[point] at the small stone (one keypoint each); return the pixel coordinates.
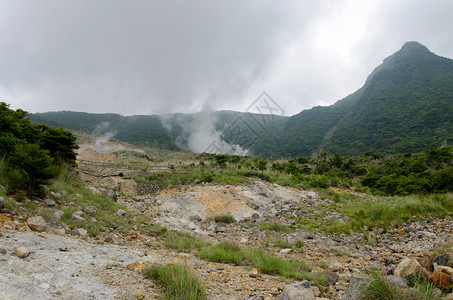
(78, 216)
(192, 226)
(58, 214)
(59, 231)
(287, 250)
(247, 287)
(37, 223)
(449, 297)
(137, 266)
(121, 212)
(79, 231)
(316, 291)
(50, 202)
(22, 252)
(2, 199)
(110, 265)
(90, 209)
(243, 240)
(2, 251)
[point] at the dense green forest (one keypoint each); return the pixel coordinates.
(428, 172)
(30, 154)
(405, 106)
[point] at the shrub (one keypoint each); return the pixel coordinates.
(178, 281)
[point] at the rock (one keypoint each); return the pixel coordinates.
(192, 226)
(449, 297)
(2, 188)
(111, 193)
(90, 209)
(22, 252)
(410, 267)
(256, 297)
(444, 269)
(59, 231)
(441, 280)
(79, 231)
(37, 223)
(121, 212)
(298, 291)
(58, 214)
(445, 259)
(110, 264)
(2, 251)
(357, 283)
(426, 262)
(78, 216)
(316, 291)
(331, 278)
(2, 199)
(287, 250)
(50, 202)
(399, 281)
(137, 266)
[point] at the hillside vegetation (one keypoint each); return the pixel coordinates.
(30, 154)
(405, 106)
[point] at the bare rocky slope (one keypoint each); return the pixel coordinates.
(71, 264)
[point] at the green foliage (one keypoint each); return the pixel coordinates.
(268, 264)
(224, 219)
(380, 288)
(224, 252)
(276, 227)
(182, 242)
(31, 154)
(178, 281)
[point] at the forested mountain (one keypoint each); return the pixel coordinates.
(405, 105)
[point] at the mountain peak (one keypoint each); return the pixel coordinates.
(414, 46)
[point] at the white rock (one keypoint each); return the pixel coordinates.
(37, 223)
(192, 226)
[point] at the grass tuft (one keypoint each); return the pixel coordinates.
(178, 281)
(224, 219)
(224, 252)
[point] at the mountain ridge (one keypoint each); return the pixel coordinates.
(405, 105)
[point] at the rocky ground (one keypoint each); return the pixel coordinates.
(45, 263)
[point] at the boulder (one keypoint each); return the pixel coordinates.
(398, 281)
(445, 259)
(357, 284)
(298, 291)
(441, 280)
(121, 212)
(411, 267)
(37, 223)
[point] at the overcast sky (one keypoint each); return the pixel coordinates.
(156, 56)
